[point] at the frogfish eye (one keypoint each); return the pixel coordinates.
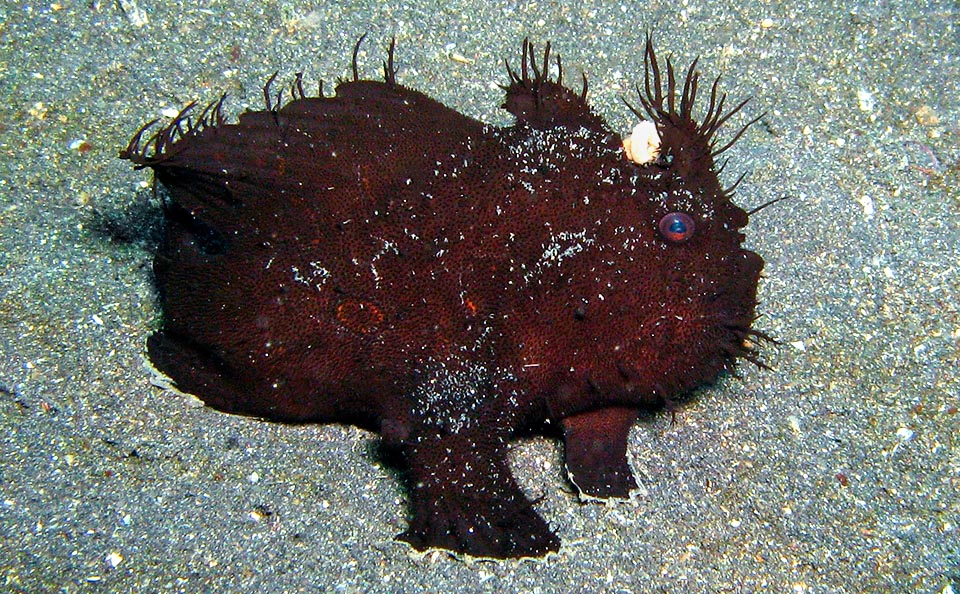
(676, 227)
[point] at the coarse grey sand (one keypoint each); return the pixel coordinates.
(837, 471)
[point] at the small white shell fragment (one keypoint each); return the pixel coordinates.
(794, 423)
(136, 15)
(643, 144)
(865, 100)
(114, 559)
(905, 434)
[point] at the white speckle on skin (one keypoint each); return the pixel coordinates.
(315, 277)
(562, 246)
(450, 392)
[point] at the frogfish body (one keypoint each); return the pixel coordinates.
(374, 257)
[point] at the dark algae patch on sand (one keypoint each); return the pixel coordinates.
(374, 257)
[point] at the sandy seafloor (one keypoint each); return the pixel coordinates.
(838, 471)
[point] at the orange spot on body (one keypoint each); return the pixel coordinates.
(359, 316)
(471, 306)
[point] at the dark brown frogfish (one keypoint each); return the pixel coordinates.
(374, 257)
